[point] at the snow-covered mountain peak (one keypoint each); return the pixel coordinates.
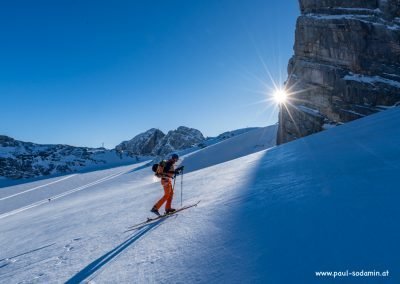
(6, 141)
(181, 138)
(142, 144)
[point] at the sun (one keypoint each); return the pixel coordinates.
(280, 96)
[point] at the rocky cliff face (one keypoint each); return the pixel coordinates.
(142, 144)
(178, 139)
(346, 64)
(155, 143)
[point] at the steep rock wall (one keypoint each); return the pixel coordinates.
(346, 64)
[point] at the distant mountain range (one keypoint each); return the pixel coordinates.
(22, 160)
(28, 160)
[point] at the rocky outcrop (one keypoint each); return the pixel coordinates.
(346, 64)
(155, 143)
(142, 144)
(178, 139)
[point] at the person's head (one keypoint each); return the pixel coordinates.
(174, 158)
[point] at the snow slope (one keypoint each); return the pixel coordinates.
(238, 145)
(327, 202)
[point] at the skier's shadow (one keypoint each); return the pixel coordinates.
(103, 260)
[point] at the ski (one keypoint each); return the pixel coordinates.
(152, 220)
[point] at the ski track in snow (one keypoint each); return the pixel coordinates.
(4, 215)
(37, 187)
(65, 191)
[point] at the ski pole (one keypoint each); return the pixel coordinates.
(173, 187)
(181, 188)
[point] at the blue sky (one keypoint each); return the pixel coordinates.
(87, 72)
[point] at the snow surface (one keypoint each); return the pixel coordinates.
(308, 110)
(371, 80)
(229, 134)
(376, 10)
(337, 17)
(328, 202)
(238, 146)
(369, 19)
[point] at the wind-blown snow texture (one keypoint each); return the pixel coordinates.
(325, 202)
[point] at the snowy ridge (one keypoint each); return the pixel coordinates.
(247, 142)
(26, 160)
(230, 134)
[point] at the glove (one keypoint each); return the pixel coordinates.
(179, 170)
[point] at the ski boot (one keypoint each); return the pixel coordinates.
(169, 211)
(155, 211)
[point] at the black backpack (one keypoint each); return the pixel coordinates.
(159, 168)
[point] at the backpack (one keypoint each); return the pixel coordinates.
(159, 169)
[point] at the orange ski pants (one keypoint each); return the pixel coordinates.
(168, 194)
